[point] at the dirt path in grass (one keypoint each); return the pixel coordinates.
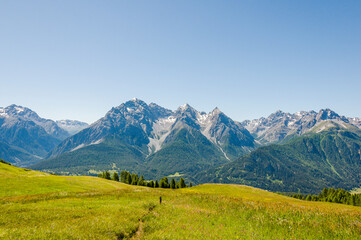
(139, 233)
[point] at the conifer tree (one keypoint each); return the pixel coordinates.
(135, 179)
(128, 179)
(107, 175)
(182, 184)
(166, 182)
(152, 184)
(123, 176)
(115, 176)
(162, 184)
(324, 192)
(141, 181)
(173, 184)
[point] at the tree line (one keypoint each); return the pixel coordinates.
(134, 179)
(332, 195)
(3, 161)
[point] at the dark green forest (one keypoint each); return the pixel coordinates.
(331, 195)
(134, 179)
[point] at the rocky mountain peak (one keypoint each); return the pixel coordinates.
(16, 114)
(278, 114)
(279, 125)
(325, 114)
(216, 111)
(19, 111)
(135, 103)
(160, 112)
(187, 110)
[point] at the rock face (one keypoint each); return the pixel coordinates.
(157, 135)
(139, 124)
(27, 134)
(281, 126)
(71, 126)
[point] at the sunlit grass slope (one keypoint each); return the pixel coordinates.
(19, 181)
(35, 205)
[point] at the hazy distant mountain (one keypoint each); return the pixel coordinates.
(72, 126)
(281, 126)
(26, 137)
(141, 136)
(355, 121)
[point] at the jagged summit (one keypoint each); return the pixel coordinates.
(157, 141)
(150, 131)
(17, 111)
(327, 113)
(280, 125)
(186, 108)
(216, 110)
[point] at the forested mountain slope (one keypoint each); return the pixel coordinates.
(306, 164)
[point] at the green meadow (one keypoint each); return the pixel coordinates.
(35, 205)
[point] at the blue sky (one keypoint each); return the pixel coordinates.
(77, 59)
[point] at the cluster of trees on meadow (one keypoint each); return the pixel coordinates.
(2, 161)
(333, 195)
(134, 179)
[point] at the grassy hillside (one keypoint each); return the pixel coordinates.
(19, 182)
(35, 205)
(305, 164)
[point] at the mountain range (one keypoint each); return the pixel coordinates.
(151, 139)
(304, 164)
(300, 152)
(26, 138)
(281, 126)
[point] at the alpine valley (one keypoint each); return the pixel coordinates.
(300, 152)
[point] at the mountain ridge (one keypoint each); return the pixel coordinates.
(280, 126)
(307, 164)
(150, 128)
(25, 137)
(156, 141)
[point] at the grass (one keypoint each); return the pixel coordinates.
(36, 205)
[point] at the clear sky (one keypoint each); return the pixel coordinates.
(77, 59)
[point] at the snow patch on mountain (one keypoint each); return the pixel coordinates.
(19, 109)
(3, 113)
